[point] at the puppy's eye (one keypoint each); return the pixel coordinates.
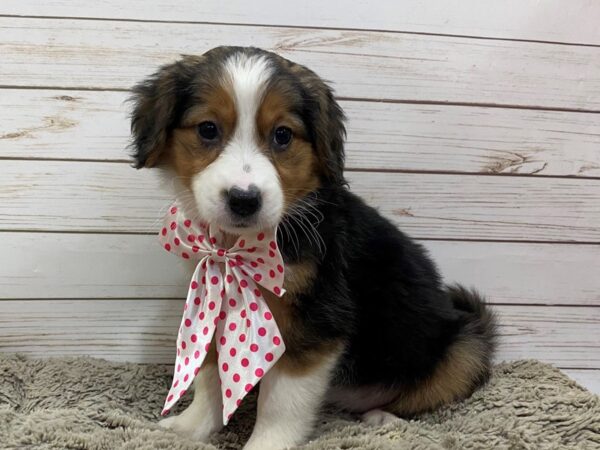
(282, 137)
(208, 131)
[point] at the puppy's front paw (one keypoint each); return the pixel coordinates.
(168, 423)
(255, 445)
(377, 418)
(186, 424)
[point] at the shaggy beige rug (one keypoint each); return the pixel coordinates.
(85, 403)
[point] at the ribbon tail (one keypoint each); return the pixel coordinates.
(193, 340)
(257, 344)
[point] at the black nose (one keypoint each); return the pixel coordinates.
(244, 203)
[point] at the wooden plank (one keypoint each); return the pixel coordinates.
(91, 196)
(121, 330)
(144, 330)
(472, 139)
(61, 266)
(485, 207)
(513, 19)
(588, 378)
(522, 273)
(63, 124)
(375, 65)
(95, 125)
(564, 336)
(84, 196)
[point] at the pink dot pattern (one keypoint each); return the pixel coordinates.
(225, 303)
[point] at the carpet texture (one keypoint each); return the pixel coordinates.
(85, 403)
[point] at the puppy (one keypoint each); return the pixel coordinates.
(252, 141)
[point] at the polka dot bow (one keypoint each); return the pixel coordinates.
(225, 303)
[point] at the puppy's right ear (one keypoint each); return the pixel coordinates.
(157, 103)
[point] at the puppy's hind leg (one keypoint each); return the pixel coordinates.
(379, 417)
(204, 415)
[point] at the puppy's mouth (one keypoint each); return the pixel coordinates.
(246, 225)
(239, 226)
(242, 225)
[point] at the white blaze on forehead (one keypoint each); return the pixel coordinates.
(249, 76)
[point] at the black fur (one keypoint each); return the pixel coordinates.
(379, 291)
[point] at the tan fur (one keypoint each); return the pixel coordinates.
(297, 164)
(299, 365)
(186, 153)
(454, 379)
(211, 356)
(330, 131)
(298, 278)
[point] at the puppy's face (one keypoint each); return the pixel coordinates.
(245, 133)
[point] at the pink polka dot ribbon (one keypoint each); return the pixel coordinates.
(224, 303)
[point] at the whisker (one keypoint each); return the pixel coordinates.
(299, 214)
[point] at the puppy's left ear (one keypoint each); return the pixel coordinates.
(330, 133)
(156, 104)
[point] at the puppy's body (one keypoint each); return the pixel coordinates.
(380, 297)
(366, 321)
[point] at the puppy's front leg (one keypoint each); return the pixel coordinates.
(288, 404)
(204, 416)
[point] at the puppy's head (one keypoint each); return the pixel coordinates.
(245, 133)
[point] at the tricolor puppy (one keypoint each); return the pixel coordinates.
(251, 141)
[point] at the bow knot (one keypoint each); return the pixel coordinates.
(219, 255)
(225, 303)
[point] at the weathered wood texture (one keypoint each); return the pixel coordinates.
(144, 330)
(81, 265)
(67, 265)
(452, 94)
(588, 378)
(572, 335)
(68, 53)
(99, 196)
(94, 125)
(550, 20)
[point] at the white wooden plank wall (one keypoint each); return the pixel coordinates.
(473, 124)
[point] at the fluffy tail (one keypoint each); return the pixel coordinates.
(466, 365)
(479, 333)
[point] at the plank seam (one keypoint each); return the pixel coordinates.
(558, 367)
(417, 238)
(52, 159)
(590, 369)
(91, 299)
(469, 104)
(302, 27)
(348, 169)
(341, 98)
(457, 172)
(63, 88)
(506, 241)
